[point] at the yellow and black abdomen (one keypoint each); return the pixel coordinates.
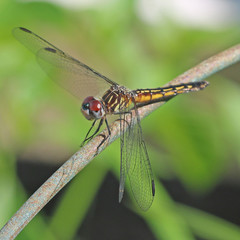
(148, 96)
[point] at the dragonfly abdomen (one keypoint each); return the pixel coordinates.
(162, 94)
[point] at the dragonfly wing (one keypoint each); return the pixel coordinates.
(79, 79)
(124, 134)
(31, 40)
(136, 165)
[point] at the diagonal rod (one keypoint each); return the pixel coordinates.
(85, 155)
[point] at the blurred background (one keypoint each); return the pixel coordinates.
(193, 140)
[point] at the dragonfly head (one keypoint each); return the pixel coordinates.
(92, 108)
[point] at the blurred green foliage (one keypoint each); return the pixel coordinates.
(194, 137)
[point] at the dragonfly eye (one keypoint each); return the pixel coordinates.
(95, 106)
(86, 102)
(85, 106)
(92, 108)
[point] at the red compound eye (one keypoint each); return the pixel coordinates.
(88, 99)
(95, 105)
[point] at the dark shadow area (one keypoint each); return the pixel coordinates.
(107, 219)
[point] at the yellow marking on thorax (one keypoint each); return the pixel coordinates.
(120, 104)
(109, 100)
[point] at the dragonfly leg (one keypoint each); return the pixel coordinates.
(119, 113)
(88, 132)
(104, 136)
(120, 119)
(97, 130)
(109, 132)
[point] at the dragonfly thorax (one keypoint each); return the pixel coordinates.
(92, 108)
(116, 99)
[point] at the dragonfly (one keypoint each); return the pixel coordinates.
(102, 97)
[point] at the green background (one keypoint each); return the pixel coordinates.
(192, 140)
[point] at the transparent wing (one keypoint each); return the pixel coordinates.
(135, 163)
(79, 79)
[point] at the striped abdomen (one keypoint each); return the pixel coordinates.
(147, 96)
